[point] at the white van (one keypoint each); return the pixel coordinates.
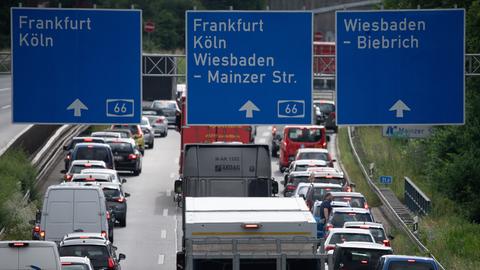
(70, 208)
(29, 255)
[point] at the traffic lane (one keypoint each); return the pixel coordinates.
(150, 239)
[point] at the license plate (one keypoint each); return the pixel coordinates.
(118, 158)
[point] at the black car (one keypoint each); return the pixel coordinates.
(277, 137)
(358, 255)
(126, 155)
(325, 114)
(116, 201)
(94, 151)
(69, 147)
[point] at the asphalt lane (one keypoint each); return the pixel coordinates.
(7, 130)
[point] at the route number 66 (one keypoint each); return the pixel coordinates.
(291, 108)
(120, 107)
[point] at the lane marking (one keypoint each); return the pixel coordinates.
(172, 175)
(4, 89)
(262, 140)
(163, 234)
(165, 212)
(168, 193)
(265, 134)
(6, 106)
(161, 258)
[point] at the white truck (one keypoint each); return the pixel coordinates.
(249, 233)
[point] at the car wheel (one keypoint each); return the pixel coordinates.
(123, 221)
(136, 172)
(152, 144)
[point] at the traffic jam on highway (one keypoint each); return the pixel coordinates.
(213, 179)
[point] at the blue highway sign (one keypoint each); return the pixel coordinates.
(249, 67)
(386, 179)
(76, 65)
(400, 67)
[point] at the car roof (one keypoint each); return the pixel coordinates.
(348, 230)
(407, 257)
(87, 137)
(118, 130)
(307, 127)
(347, 194)
(317, 150)
(363, 223)
(104, 132)
(324, 101)
(70, 185)
(31, 243)
(99, 170)
(118, 140)
(71, 259)
(99, 145)
(77, 242)
(83, 161)
(310, 161)
(91, 175)
(364, 245)
(350, 210)
(320, 185)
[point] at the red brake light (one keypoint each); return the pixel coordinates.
(68, 157)
(90, 179)
(121, 199)
(108, 215)
(36, 228)
(90, 146)
(84, 237)
(18, 244)
(387, 244)
(251, 226)
(290, 187)
(132, 156)
(88, 165)
(66, 263)
(329, 227)
(68, 177)
(333, 114)
(159, 120)
(111, 263)
(327, 248)
(352, 214)
(328, 189)
(411, 261)
(349, 189)
(88, 140)
(104, 233)
(365, 205)
(364, 227)
(364, 262)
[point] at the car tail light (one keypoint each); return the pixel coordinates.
(159, 121)
(18, 244)
(121, 199)
(42, 234)
(108, 215)
(327, 248)
(274, 130)
(365, 205)
(88, 165)
(410, 260)
(104, 234)
(364, 227)
(66, 263)
(36, 229)
(290, 187)
(364, 262)
(67, 177)
(348, 189)
(111, 263)
(132, 156)
(68, 157)
(88, 140)
(329, 227)
(333, 114)
(251, 226)
(386, 243)
(324, 145)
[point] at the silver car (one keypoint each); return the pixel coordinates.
(148, 133)
(169, 108)
(159, 123)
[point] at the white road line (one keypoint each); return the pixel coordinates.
(6, 106)
(4, 89)
(265, 134)
(172, 175)
(161, 258)
(262, 140)
(163, 234)
(168, 193)
(165, 212)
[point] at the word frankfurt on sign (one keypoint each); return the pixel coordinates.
(249, 68)
(400, 67)
(76, 65)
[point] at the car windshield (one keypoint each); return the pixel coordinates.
(78, 168)
(121, 148)
(325, 107)
(319, 192)
(340, 218)
(308, 135)
(339, 238)
(74, 266)
(313, 155)
(98, 255)
(92, 153)
(396, 265)
(111, 193)
(356, 202)
(164, 105)
(359, 258)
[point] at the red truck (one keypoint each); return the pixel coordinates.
(210, 134)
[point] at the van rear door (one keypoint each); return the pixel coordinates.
(87, 212)
(40, 257)
(59, 214)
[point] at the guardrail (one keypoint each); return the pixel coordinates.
(388, 206)
(415, 199)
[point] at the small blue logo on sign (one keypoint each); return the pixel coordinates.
(386, 179)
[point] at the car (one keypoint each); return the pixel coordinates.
(78, 165)
(116, 201)
(170, 109)
(342, 235)
(69, 147)
(340, 215)
(330, 175)
(94, 151)
(148, 134)
(318, 217)
(124, 134)
(106, 134)
(127, 157)
(358, 255)
(398, 262)
(113, 173)
(159, 123)
(296, 137)
(376, 229)
(136, 133)
(76, 263)
(277, 137)
(315, 153)
(303, 165)
(355, 199)
(20, 254)
(316, 192)
(101, 252)
(327, 116)
(85, 178)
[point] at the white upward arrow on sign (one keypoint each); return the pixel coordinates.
(77, 106)
(399, 106)
(249, 107)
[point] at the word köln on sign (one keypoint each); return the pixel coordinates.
(35, 28)
(397, 41)
(210, 47)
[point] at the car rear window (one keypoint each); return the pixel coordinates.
(378, 234)
(334, 180)
(92, 153)
(145, 122)
(356, 202)
(319, 192)
(164, 105)
(305, 134)
(339, 238)
(75, 267)
(326, 107)
(340, 218)
(132, 128)
(78, 168)
(121, 148)
(111, 193)
(98, 255)
(312, 155)
(353, 258)
(410, 266)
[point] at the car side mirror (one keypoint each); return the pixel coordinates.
(127, 194)
(121, 257)
(65, 147)
(124, 181)
(63, 171)
(178, 186)
(274, 187)
(328, 138)
(334, 160)
(391, 237)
